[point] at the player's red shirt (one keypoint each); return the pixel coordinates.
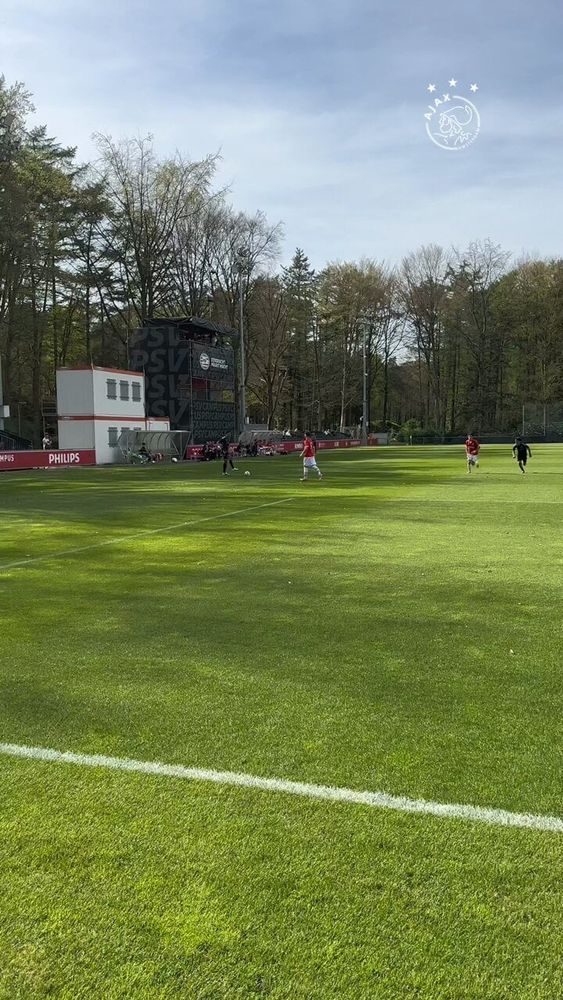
(308, 448)
(472, 446)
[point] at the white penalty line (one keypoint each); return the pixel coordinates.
(377, 800)
(139, 534)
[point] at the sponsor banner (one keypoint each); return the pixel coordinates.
(343, 443)
(12, 460)
(286, 447)
(212, 363)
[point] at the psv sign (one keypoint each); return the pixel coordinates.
(10, 461)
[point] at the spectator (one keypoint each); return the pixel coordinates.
(47, 443)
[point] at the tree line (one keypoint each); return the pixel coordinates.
(449, 340)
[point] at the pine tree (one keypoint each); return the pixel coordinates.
(299, 283)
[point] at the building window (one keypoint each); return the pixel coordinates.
(112, 388)
(136, 392)
(112, 437)
(124, 391)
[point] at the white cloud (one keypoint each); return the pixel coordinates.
(351, 177)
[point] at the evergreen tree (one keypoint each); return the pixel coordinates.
(299, 283)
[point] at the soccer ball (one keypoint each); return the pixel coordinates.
(247, 473)
(174, 459)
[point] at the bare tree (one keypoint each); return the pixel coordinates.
(476, 273)
(241, 241)
(351, 305)
(424, 292)
(268, 319)
(390, 320)
(149, 200)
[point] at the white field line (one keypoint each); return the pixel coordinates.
(470, 500)
(378, 800)
(138, 534)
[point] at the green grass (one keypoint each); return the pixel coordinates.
(396, 627)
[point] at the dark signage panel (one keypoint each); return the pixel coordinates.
(183, 381)
(213, 363)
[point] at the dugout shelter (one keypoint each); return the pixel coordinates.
(165, 444)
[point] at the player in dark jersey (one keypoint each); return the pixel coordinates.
(521, 451)
(227, 460)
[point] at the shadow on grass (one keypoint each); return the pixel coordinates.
(269, 606)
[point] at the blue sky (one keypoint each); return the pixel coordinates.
(317, 108)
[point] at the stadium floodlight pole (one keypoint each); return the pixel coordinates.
(242, 358)
(242, 258)
(19, 404)
(1, 399)
(365, 389)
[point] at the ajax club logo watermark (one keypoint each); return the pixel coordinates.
(452, 120)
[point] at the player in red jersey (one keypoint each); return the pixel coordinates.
(472, 448)
(308, 456)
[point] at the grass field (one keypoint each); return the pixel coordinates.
(395, 628)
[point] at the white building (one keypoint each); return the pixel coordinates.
(94, 405)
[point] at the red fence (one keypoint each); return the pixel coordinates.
(284, 447)
(10, 461)
(341, 443)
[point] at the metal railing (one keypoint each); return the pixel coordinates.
(13, 442)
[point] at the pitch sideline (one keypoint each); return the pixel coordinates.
(377, 800)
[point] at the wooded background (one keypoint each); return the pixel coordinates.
(456, 340)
